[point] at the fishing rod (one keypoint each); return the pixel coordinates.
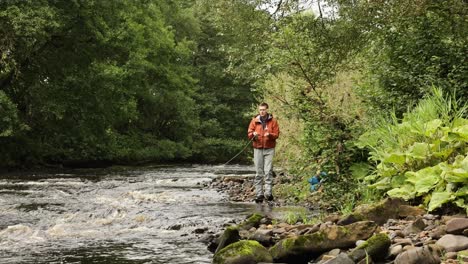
(242, 150)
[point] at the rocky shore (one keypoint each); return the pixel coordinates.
(389, 232)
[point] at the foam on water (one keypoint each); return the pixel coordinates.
(129, 216)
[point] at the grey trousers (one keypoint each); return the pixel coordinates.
(263, 160)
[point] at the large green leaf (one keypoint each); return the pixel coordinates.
(419, 151)
(456, 172)
(406, 192)
(462, 132)
(359, 170)
(395, 157)
(425, 179)
(398, 180)
(383, 184)
(431, 127)
(440, 198)
(462, 191)
(386, 170)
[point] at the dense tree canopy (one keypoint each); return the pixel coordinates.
(87, 82)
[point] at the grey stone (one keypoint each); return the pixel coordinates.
(263, 236)
(438, 232)
(453, 243)
(403, 241)
(417, 226)
(429, 217)
(396, 250)
(457, 225)
(426, 255)
(451, 255)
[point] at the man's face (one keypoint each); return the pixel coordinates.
(263, 110)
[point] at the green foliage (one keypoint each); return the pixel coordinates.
(115, 81)
(411, 45)
(423, 155)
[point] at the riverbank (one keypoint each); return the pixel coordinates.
(389, 232)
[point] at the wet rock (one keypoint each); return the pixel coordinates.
(376, 247)
(342, 258)
(456, 226)
(200, 230)
(175, 227)
(212, 241)
(453, 243)
(230, 235)
(304, 247)
(245, 251)
(427, 254)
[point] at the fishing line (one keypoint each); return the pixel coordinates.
(246, 145)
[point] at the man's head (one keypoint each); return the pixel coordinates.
(263, 109)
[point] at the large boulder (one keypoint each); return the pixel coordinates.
(381, 212)
(301, 249)
(376, 247)
(243, 252)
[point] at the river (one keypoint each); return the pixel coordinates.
(117, 215)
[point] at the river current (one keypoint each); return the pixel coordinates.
(118, 215)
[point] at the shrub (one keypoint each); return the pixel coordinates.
(424, 155)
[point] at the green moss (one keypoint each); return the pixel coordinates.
(245, 249)
(252, 221)
(376, 246)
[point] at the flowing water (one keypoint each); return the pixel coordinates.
(139, 215)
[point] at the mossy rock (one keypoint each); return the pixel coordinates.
(243, 252)
(252, 221)
(376, 247)
(302, 249)
(230, 235)
(379, 213)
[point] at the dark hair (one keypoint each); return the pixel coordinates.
(264, 104)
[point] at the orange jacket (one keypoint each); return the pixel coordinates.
(271, 127)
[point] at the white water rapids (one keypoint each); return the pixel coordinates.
(142, 215)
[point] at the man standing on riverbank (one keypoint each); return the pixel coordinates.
(264, 131)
